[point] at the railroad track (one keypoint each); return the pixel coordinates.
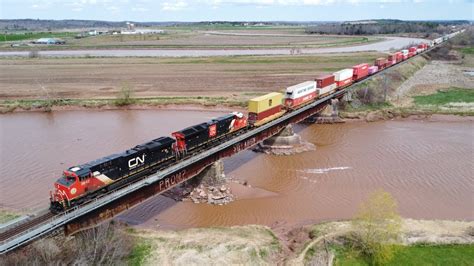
(25, 226)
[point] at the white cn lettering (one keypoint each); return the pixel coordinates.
(132, 163)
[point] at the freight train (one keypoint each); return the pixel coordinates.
(81, 183)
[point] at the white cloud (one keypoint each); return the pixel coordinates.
(174, 6)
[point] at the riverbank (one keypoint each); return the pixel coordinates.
(255, 244)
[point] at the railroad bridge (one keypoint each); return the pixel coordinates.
(108, 205)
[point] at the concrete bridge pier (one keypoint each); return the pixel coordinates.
(286, 142)
(329, 115)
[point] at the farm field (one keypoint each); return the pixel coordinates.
(86, 78)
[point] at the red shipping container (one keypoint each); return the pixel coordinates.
(360, 71)
(254, 117)
(399, 56)
(381, 62)
(343, 82)
(392, 57)
(324, 81)
(405, 57)
(412, 49)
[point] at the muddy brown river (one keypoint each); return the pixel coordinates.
(427, 166)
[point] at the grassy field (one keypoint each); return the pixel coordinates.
(443, 97)
(6, 216)
(197, 37)
(417, 255)
(34, 36)
(467, 50)
(252, 244)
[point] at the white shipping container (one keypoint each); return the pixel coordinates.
(343, 74)
(328, 89)
(419, 50)
(405, 52)
(301, 89)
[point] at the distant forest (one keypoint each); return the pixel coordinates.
(384, 27)
(51, 25)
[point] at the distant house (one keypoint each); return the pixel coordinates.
(49, 41)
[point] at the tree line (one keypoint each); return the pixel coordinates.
(428, 28)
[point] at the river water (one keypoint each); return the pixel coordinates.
(427, 166)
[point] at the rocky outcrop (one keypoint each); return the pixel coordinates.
(210, 186)
(212, 195)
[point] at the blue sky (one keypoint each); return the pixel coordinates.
(236, 10)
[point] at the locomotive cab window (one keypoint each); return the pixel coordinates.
(270, 102)
(66, 180)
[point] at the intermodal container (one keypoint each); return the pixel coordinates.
(324, 81)
(373, 70)
(327, 90)
(392, 57)
(381, 62)
(344, 74)
(412, 49)
(345, 82)
(360, 71)
(300, 93)
(405, 51)
(405, 57)
(399, 56)
(264, 106)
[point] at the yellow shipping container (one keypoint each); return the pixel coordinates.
(265, 102)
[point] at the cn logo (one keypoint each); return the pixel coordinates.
(212, 130)
(132, 163)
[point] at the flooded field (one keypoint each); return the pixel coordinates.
(427, 166)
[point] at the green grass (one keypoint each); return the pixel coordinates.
(442, 97)
(417, 255)
(34, 35)
(139, 253)
(6, 216)
(467, 50)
